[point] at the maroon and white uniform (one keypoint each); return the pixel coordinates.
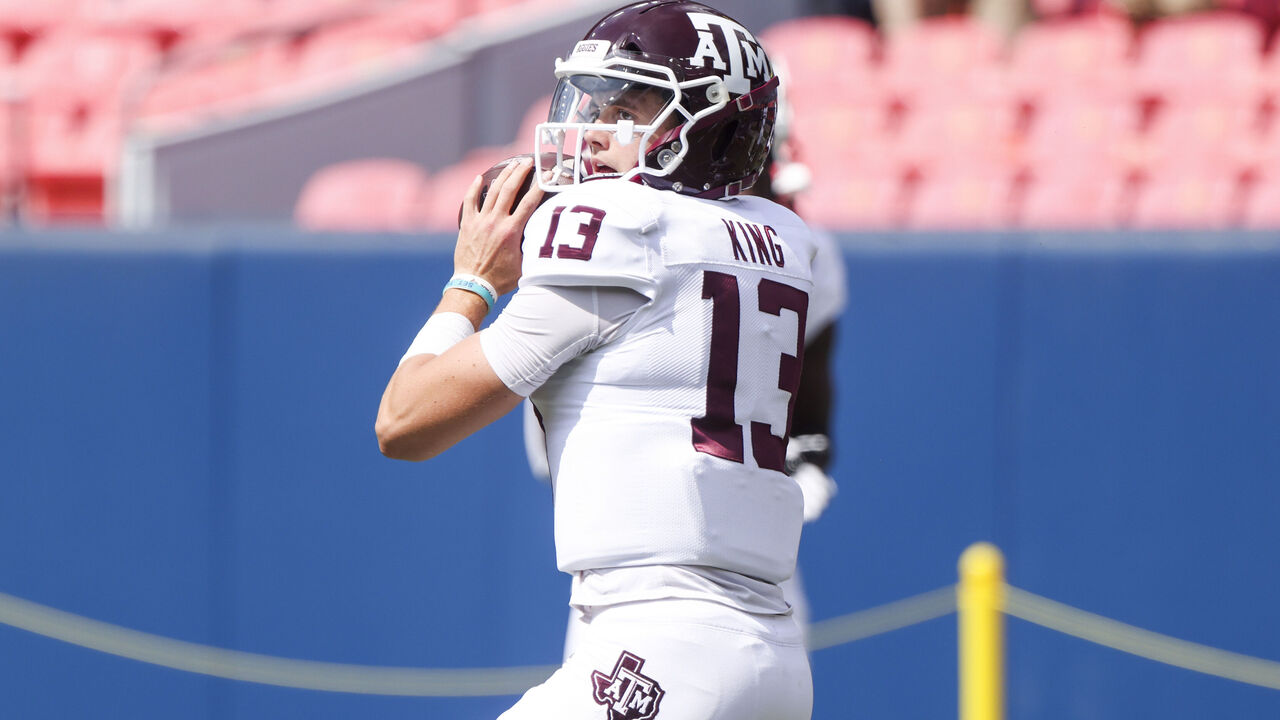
(660, 338)
(659, 330)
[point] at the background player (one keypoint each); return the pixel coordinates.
(811, 449)
(659, 329)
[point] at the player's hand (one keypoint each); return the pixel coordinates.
(817, 487)
(807, 457)
(489, 238)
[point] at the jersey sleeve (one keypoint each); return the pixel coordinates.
(830, 291)
(591, 236)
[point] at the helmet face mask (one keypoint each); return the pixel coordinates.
(704, 77)
(609, 101)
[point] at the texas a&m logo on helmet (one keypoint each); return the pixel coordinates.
(627, 694)
(746, 64)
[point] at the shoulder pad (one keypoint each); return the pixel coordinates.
(596, 234)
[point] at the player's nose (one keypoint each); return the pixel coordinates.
(597, 139)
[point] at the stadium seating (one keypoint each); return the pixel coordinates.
(1261, 207)
(1209, 199)
(872, 194)
(823, 55)
(381, 194)
(983, 132)
(949, 56)
(89, 69)
(221, 79)
(1200, 55)
(70, 67)
(1203, 135)
(1075, 198)
(1073, 56)
(355, 50)
(978, 199)
(1175, 118)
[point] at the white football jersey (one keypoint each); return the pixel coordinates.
(666, 444)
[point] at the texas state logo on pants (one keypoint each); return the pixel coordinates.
(627, 694)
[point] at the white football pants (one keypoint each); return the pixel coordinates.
(676, 660)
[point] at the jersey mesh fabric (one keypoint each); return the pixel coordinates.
(631, 487)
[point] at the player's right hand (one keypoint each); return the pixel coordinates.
(489, 238)
(817, 487)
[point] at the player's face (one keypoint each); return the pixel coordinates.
(607, 153)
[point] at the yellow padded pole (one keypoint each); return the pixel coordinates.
(979, 604)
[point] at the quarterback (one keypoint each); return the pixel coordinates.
(658, 328)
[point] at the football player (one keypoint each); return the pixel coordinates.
(658, 327)
(809, 451)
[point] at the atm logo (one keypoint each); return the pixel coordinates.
(627, 694)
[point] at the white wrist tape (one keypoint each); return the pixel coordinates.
(441, 332)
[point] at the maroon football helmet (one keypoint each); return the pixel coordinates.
(716, 88)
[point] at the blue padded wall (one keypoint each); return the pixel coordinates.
(186, 427)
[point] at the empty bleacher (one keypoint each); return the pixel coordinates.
(1080, 120)
(76, 75)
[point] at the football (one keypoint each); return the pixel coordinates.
(488, 176)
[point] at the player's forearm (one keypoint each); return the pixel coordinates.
(433, 402)
(812, 414)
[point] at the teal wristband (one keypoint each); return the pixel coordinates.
(476, 285)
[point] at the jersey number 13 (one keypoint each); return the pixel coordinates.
(718, 432)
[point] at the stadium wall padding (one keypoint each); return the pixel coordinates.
(186, 423)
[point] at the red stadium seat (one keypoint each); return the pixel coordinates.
(428, 18)
(301, 13)
(1075, 199)
(1081, 55)
(228, 78)
(827, 54)
(944, 56)
(969, 135)
(1076, 133)
(69, 155)
(357, 48)
(981, 199)
(1210, 135)
(1261, 206)
(1201, 55)
(1189, 200)
(838, 134)
(73, 66)
(73, 81)
(23, 17)
(1269, 77)
(870, 196)
(373, 194)
(78, 141)
(12, 160)
(167, 22)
